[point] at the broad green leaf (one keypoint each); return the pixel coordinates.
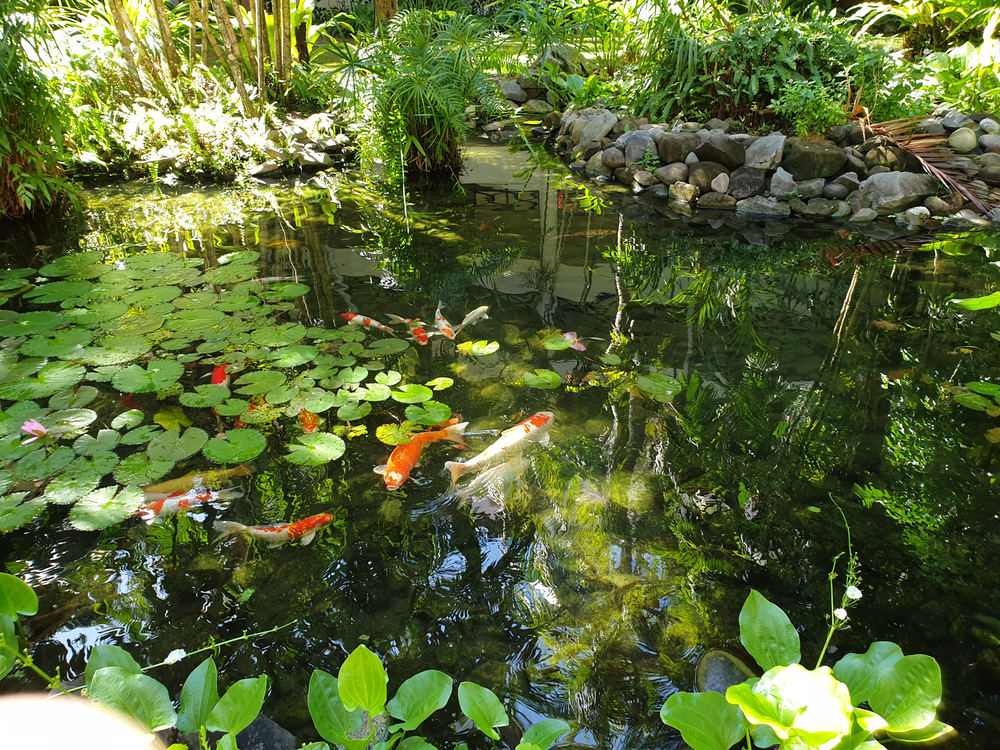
(706, 721)
(908, 692)
(659, 386)
(397, 434)
(354, 411)
(109, 656)
(483, 707)
(542, 379)
(68, 420)
(987, 389)
(860, 672)
(255, 383)
(972, 401)
(73, 398)
(113, 353)
(205, 395)
(430, 413)
(239, 256)
(199, 697)
(391, 377)
(67, 344)
(226, 742)
(158, 374)
(57, 291)
(195, 300)
(283, 290)
(105, 507)
(438, 384)
(543, 733)
(141, 435)
(979, 303)
(197, 319)
(282, 394)
(419, 697)
(87, 445)
(384, 347)
(362, 682)
(16, 597)
(136, 695)
(153, 296)
(76, 265)
(293, 356)
(241, 704)
(333, 722)
(172, 418)
(935, 732)
(377, 392)
(139, 469)
(31, 323)
(767, 633)
(174, 445)
(354, 374)
(316, 449)
(230, 274)
(41, 465)
(413, 394)
(232, 407)
(412, 743)
(557, 343)
(96, 313)
(8, 640)
(136, 325)
(15, 511)
(69, 487)
(240, 445)
(52, 378)
(275, 336)
(613, 360)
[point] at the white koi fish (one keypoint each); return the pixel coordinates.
(442, 324)
(473, 317)
(534, 428)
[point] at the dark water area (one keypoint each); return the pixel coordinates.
(586, 586)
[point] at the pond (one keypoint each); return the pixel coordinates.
(735, 393)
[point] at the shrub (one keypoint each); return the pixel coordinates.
(810, 106)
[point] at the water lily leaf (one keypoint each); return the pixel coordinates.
(40, 465)
(158, 374)
(105, 507)
(86, 265)
(353, 374)
(232, 407)
(209, 347)
(659, 386)
(397, 434)
(293, 356)
(283, 290)
(66, 344)
(240, 445)
(139, 469)
(70, 486)
(15, 512)
(239, 256)
(230, 302)
(282, 394)
(54, 377)
(12, 449)
(432, 412)
(101, 463)
(413, 394)
(542, 379)
(354, 411)
(205, 395)
(332, 383)
(478, 348)
(96, 313)
(11, 369)
(196, 300)
(128, 419)
(316, 449)
(152, 296)
(350, 348)
(383, 347)
(73, 397)
(275, 336)
(230, 274)
(137, 325)
(556, 342)
(377, 392)
(31, 323)
(141, 435)
(172, 417)
(177, 343)
(174, 445)
(389, 377)
(255, 383)
(6, 481)
(197, 319)
(317, 400)
(439, 384)
(57, 291)
(87, 445)
(116, 352)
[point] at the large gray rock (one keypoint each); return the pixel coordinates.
(721, 183)
(990, 175)
(703, 173)
(864, 214)
(782, 183)
(675, 146)
(893, 191)
(513, 91)
(835, 192)
(823, 208)
(718, 148)
(717, 200)
(761, 205)
(613, 158)
(684, 192)
(810, 188)
(537, 106)
(637, 144)
(989, 140)
(807, 160)
(646, 179)
(595, 166)
(746, 182)
(989, 125)
(766, 152)
(956, 119)
(989, 160)
(599, 125)
(889, 156)
(676, 172)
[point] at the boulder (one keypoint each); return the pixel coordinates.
(721, 183)
(989, 160)
(566, 57)
(886, 156)
(915, 217)
(963, 141)
(589, 149)
(314, 159)
(782, 183)
(646, 179)
(537, 106)
(821, 208)
(893, 191)
(625, 123)
(989, 125)
(864, 214)
(955, 119)
(703, 173)
(675, 146)
(613, 158)
(807, 160)
(637, 144)
(760, 205)
(688, 127)
(595, 166)
(626, 174)
(691, 158)
(552, 119)
(972, 217)
(718, 148)
(858, 165)
(937, 207)
(746, 182)
(989, 140)
(766, 152)
(513, 91)
(849, 180)
(856, 200)
(835, 192)
(797, 206)
(264, 168)
(676, 172)
(716, 124)
(717, 200)
(810, 188)
(684, 192)
(598, 126)
(990, 175)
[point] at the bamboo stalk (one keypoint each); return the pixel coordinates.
(251, 58)
(192, 32)
(133, 71)
(277, 8)
(233, 53)
(286, 35)
(144, 58)
(206, 33)
(167, 38)
(263, 48)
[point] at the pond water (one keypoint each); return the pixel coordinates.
(793, 373)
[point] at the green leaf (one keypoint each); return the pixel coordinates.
(115, 352)
(255, 383)
(52, 378)
(908, 692)
(354, 411)
(73, 398)
(197, 319)
(432, 412)
(557, 343)
(396, 434)
(199, 697)
(935, 732)
(706, 721)
(109, 656)
(767, 633)
(419, 697)
(87, 445)
(438, 384)
(282, 394)
(333, 721)
(483, 707)
(68, 420)
(316, 449)
(283, 290)
(239, 256)
(105, 507)
(139, 469)
(70, 486)
(275, 336)
(612, 360)
(230, 274)
(173, 445)
(972, 401)
(545, 732)
(354, 374)
(391, 377)
(16, 597)
(85, 265)
(153, 296)
(542, 379)
(362, 682)
(478, 348)
(376, 392)
(8, 638)
(987, 389)
(172, 418)
(978, 303)
(413, 394)
(861, 672)
(241, 704)
(205, 395)
(158, 374)
(141, 435)
(385, 347)
(293, 356)
(58, 291)
(233, 407)
(240, 445)
(15, 512)
(66, 344)
(659, 386)
(95, 313)
(136, 695)
(31, 323)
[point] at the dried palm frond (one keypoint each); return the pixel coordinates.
(838, 254)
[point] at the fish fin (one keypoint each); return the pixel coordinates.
(484, 316)
(229, 493)
(277, 543)
(380, 469)
(544, 439)
(307, 538)
(456, 432)
(456, 469)
(395, 318)
(227, 528)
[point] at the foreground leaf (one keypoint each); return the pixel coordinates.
(240, 445)
(105, 507)
(767, 633)
(706, 721)
(362, 682)
(199, 697)
(333, 721)
(419, 697)
(483, 707)
(241, 704)
(16, 597)
(861, 672)
(908, 693)
(316, 449)
(136, 695)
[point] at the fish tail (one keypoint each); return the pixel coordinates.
(227, 528)
(456, 469)
(229, 493)
(456, 433)
(395, 318)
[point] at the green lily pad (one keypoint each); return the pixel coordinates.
(40, 465)
(197, 319)
(141, 435)
(389, 377)
(52, 378)
(316, 449)
(282, 394)
(478, 348)
(70, 486)
(354, 411)
(153, 296)
(172, 417)
(439, 384)
(31, 323)
(230, 274)
(353, 374)
(413, 394)
(6, 481)
(11, 368)
(58, 291)
(196, 300)
(137, 325)
(209, 347)
(105, 507)
(73, 398)
(397, 434)
(115, 353)
(557, 343)
(542, 379)
(240, 445)
(231, 302)
(205, 395)
(174, 445)
(239, 256)
(275, 336)
(99, 463)
(158, 374)
(255, 383)
(383, 347)
(232, 407)
(292, 356)
(15, 512)
(66, 344)
(128, 419)
(659, 386)
(86, 265)
(377, 392)
(432, 412)
(96, 313)
(283, 290)
(87, 445)
(139, 469)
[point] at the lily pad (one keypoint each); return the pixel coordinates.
(275, 336)
(174, 445)
(397, 434)
(282, 394)
(478, 348)
(197, 319)
(158, 374)
(389, 377)
(240, 445)
(31, 323)
(283, 290)
(239, 256)
(659, 386)
(205, 395)
(432, 412)
(230, 274)
(230, 302)
(11, 368)
(153, 296)
(141, 435)
(40, 465)
(86, 265)
(116, 352)
(542, 379)
(70, 486)
(73, 398)
(383, 347)
(96, 313)
(292, 356)
(353, 374)
(54, 377)
(232, 407)
(195, 300)
(137, 325)
(316, 449)
(57, 291)
(105, 507)
(139, 469)
(15, 512)
(128, 419)
(439, 384)
(87, 445)
(255, 383)
(65, 344)
(377, 392)
(557, 343)
(413, 394)
(354, 411)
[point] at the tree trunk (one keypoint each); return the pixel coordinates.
(167, 38)
(251, 58)
(232, 54)
(133, 71)
(263, 48)
(144, 58)
(302, 44)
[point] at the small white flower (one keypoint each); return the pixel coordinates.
(840, 614)
(175, 656)
(853, 592)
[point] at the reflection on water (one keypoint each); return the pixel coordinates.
(584, 583)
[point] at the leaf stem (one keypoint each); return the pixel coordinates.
(749, 746)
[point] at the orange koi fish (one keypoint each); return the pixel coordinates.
(534, 428)
(442, 324)
(277, 534)
(310, 422)
(161, 505)
(416, 327)
(220, 376)
(362, 320)
(404, 457)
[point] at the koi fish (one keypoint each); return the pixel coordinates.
(161, 505)
(275, 279)
(361, 320)
(416, 327)
(534, 428)
(442, 324)
(473, 317)
(198, 479)
(277, 534)
(220, 376)
(310, 422)
(404, 457)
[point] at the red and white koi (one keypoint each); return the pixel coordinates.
(309, 422)
(220, 376)
(276, 534)
(473, 317)
(442, 324)
(404, 457)
(162, 504)
(534, 429)
(363, 320)
(416, 327)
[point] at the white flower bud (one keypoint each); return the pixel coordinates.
(175, 656)
(840, 614)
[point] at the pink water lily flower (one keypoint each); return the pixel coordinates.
(577, 343)
(35, 429)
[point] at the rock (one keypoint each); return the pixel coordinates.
(821, 208)
(955, 119)
(689, 127)
(720, 149)
(963, 141)
(989, 140)
(264, 168)
(597, 127)
(567, 58)
(676, 172)
(858, 165)
(849, 180)
(684, 192)
(703, 173)
(691, 158)
(842, 211)
(838, 133)
(856, 200)
(576, 128)
(314, 159)
(932, 126)
(637, 144)
(864, 214)
(990, 175)
(835, 191)
(972, 217)
(646, 179)
(746, 182)
(675, 146)
(716, 124)
(552, 119)
(721, 183)
(807, 160)
(533, 88)
(717, 671)
(766, 152)
(744, 139)
(989, 125)
(265, 734)
(989, 160)
(887, 156)
(760, 205)
(538, 106)
(577, 166)
(626, 174)
(797, 206)
(596, 166)
(810, 188)
(717, 199)
(277, 154)
(878, 170)
(613, 158)
(782, 183)
(625, 123)
(589, 149)
(893, 191)
(937, 207)
(915, 217)
(512, 91)
(660, 191)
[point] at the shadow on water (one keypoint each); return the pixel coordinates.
(809, 363)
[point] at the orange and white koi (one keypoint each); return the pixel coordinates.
(442, 324)
(416, 327)
(310, 422)
(276, 534)
(473, 317)
(274, 279)
(161, 504)
(362, 320)
(404, 457)
(535, 428)
(197, 479)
